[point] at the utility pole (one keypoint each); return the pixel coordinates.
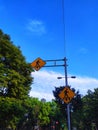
(66, 84)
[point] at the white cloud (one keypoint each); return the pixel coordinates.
(37, 27)
(46, 81)
(83, 50)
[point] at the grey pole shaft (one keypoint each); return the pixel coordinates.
(68, 105)
(68, 114)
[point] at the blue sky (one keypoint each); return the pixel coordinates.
(37, 27)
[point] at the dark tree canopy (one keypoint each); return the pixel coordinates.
(15, 78)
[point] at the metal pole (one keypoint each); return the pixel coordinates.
(68, 116)
(68, 105)
(65, 67)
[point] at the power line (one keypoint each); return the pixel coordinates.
(63, 21)
(66, 81)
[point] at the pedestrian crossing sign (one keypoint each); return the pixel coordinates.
(66, 94)
(38, 64)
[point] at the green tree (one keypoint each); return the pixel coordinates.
(15, 78)
(37, 113)
(86, 117)
(43, 116)
(90, 114)
(11, 112)
(30, 117)
(15, 81)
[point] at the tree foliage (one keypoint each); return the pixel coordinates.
(91, 108)
(86, 118)
(11, 111)
(15, 79)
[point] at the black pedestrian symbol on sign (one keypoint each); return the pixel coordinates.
(66, 96)
(37, 64)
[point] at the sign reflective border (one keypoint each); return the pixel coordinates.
(66, 94)
(38, 64)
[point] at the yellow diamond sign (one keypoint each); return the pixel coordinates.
(66, 94)
(38, 64)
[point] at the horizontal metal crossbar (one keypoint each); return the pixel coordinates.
(53, 65)
(54, 60)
